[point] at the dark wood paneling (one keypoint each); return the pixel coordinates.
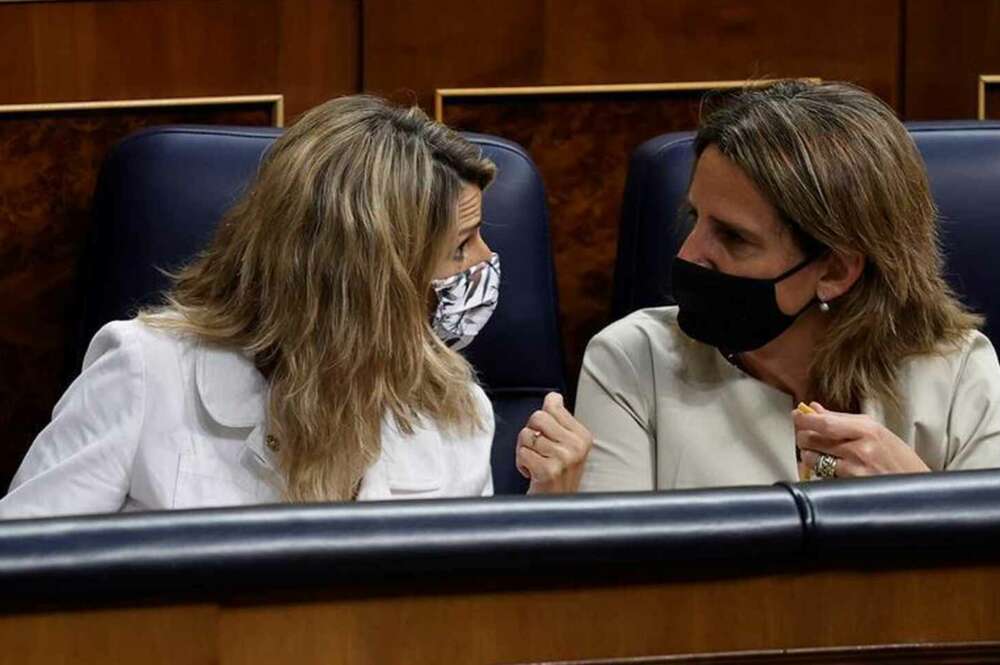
(792, 609)
(48, 170)
(151, 636)
(408, 45)
(409, 50)
(531, 42)
(948, 45)
(319, 56)
(478, 626)
(133, 49)
(975, 653)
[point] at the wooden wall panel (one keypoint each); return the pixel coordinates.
(553, 42)
(948, 46)
(138, 49)
(792, 609)
(549, 42)
(788, 609)
(149, 635)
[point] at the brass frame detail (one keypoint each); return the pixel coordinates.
(526, 91)
(985, 80)
(277, 103)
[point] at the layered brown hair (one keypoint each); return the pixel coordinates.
(321, 274)
(844, 173)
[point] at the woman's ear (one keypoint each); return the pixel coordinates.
(839, 273)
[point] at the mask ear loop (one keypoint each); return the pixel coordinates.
(797, 267)
(823, 305)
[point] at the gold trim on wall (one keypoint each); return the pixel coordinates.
(985, 80)
(277, 102)
(526, 91)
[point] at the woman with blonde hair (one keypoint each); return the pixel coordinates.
(309, 353)
(811, 274)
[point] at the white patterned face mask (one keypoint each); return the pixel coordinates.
(466, 302)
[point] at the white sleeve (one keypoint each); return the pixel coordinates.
(488, 486)
(490, 431)
(82, 461)
(612, 403)
(974, 422)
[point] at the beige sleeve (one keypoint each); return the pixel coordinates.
(613, 405)
(974, 422)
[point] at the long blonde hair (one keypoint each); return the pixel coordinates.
(321, 273)
(843, 172)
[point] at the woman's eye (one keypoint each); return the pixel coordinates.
(731, 237)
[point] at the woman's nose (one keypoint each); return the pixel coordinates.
(478, 252)
(694, 249)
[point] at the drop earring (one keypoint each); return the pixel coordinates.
(824, 306)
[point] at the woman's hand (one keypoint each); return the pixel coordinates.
(552, 448)
(861, 446)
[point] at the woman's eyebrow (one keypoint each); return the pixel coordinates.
(726, 224)
(469, 230)
(737, 228)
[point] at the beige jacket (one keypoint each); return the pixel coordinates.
(670, 413)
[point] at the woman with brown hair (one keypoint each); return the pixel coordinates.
(309, 354)
(811, 274)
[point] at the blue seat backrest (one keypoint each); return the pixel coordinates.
(963, 163)
(162, 191)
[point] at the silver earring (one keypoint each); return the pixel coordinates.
(824, 306)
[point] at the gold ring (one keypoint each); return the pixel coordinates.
(826, 466)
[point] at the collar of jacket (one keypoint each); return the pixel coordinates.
(232, 389)
(234, 393)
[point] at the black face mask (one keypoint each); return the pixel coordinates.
(731, 313)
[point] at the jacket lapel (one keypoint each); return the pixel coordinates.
(234, 394)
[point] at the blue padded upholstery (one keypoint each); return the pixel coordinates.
(963, 163)
(140, 558)
(915, 515)
(162, 191)
(393, 543)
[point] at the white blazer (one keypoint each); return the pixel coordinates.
(159, 420)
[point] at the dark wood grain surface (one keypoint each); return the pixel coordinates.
(134, 49)
(409, 46)
(948, 46)
(795, 609)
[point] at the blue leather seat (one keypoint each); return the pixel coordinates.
(162, 191)
(963, 163)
